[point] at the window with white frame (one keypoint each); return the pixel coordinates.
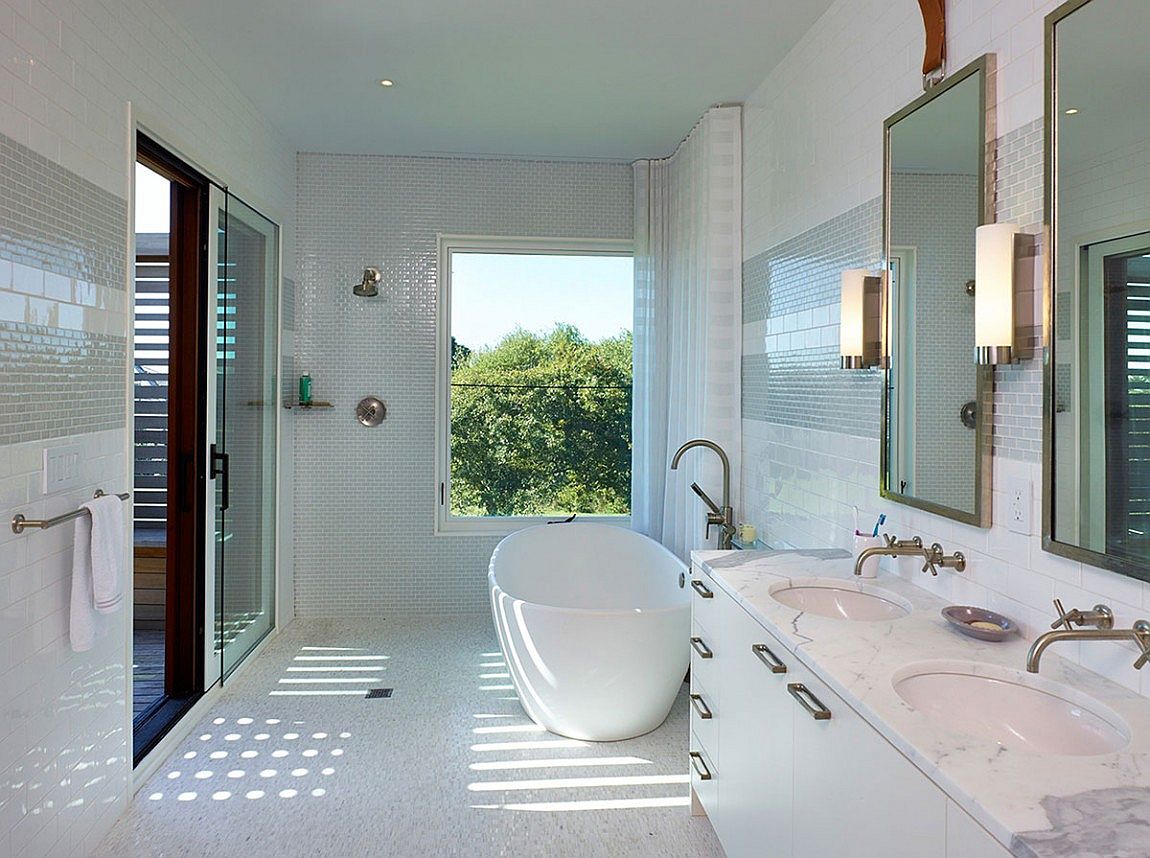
(534, 383)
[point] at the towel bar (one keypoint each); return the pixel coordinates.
(19, 522)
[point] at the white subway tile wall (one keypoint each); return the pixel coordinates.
(813, 152)
(365, 498)
(70, 70)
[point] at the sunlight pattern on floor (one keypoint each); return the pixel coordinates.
(588, 793)
(327, 666)
(264, 759)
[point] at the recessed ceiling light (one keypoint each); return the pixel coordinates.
(1071, 111)
(387, 82)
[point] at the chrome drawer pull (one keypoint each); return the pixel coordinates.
(701, 707)
(701, 648)
(700, 766)
(808, 701)
(768, 658)
(702, 589)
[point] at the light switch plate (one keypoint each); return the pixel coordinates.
(61, 468)
(1018, 493)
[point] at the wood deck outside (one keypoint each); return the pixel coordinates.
(149, 591)
(147, 669)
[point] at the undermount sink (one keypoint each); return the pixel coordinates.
(842, 600)
(1013, 709)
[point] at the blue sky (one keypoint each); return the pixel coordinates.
(493, 293)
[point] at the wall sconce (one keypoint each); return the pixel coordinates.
(860, 323)
(994, 317)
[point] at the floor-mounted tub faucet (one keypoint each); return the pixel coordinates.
(722, 516)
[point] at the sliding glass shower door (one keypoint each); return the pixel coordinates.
(242, 433)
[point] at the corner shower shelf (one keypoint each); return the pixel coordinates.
(308, 406)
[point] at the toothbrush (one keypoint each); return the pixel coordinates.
(878, 524)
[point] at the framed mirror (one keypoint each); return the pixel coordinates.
(1097, 374)
(936, 401)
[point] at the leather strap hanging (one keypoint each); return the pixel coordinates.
(934, 58)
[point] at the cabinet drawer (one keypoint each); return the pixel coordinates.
(704, 659)
(706, 598)
(703, 778)
(704, 728)
(838, 758)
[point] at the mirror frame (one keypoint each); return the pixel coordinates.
(984, 68)
(1130, 568)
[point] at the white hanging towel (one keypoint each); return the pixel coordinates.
(97, 569)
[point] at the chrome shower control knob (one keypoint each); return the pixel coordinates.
(370, 411)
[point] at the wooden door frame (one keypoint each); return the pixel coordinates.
(187, 493)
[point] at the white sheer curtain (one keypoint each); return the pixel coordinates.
(688, 327)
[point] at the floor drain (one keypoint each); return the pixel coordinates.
(373, 693)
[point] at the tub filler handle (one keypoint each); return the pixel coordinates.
(701, 648)
(701, 707)
(700, 766)
(702, 589)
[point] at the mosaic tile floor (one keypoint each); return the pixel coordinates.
(294, 760)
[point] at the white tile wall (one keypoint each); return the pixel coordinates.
(68, 70)
(365, 498)
(65, 753)
(813, 150)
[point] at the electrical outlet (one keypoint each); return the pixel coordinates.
(1018, 492)
(61, 468)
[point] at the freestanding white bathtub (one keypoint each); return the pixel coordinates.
(594, 623)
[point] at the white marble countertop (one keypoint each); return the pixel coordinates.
(1036, 805)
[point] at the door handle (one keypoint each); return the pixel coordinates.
(764, 654)
(701, 707)
(808, 701)
(224, 463)
(701, 648)
(702, 589)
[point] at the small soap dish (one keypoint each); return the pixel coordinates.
(980, 623)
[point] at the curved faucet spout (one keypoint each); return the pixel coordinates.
(710, 445)
(723, 516)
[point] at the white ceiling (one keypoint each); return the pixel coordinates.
(615, 79)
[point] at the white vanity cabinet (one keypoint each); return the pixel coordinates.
(755, 789)
(854, 794)
(794, 771)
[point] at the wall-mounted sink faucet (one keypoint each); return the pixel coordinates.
(722, 516)
(894, 548)
(934, 555)
(1101, 620)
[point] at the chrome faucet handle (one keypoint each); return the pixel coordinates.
(913, 542)
(1142, 634)
(1101, 617)
(1064, 618)
(933, 556)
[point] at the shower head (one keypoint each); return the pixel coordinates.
(369, 288)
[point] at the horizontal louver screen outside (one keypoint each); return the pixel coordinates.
(151, 360)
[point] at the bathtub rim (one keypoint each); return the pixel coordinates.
(602, 612)
(495, 587)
